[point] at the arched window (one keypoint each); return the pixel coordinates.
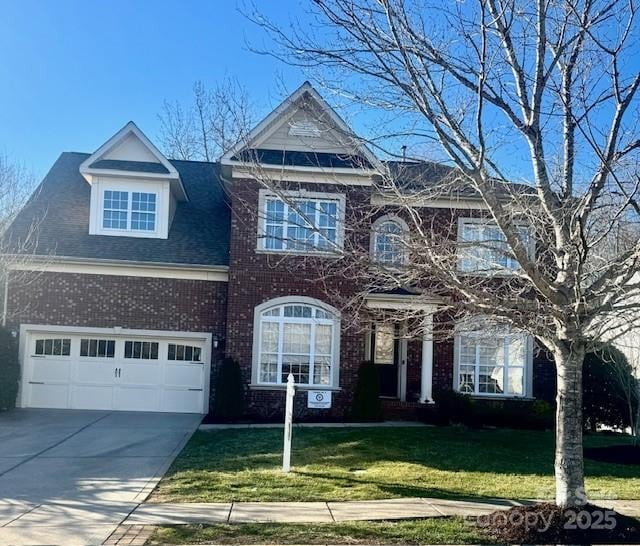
(388, 240)
(298, 336)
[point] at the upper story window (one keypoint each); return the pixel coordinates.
(494, 361)
(388, 240)
(131, 211)
(304, 223)
(299, 338)
(483, 248)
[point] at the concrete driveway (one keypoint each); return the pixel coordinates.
(70, 477)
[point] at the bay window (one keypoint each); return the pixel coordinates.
(492, 362)
(298, 338)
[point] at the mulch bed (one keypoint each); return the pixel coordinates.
(624, 454)
(546, 523)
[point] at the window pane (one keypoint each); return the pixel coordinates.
(143, 207)
(128, 349)
(466, 382)
(197, 354)
(172, 351)
(517, 351)
(268, 371)
(270, 337)
(66, 347)
(384, 344)
(57, 347)
(323, 339)
(296, 338)
(322, 371)
(48, 346)
(40, 347)
(298, 366)
(516, 381)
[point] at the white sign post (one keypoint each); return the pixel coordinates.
(288, 424)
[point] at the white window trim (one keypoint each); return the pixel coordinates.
(257, 343)
(527, 375)
(373, 250)
(162, 191)
(130, 211)
(499, 271)
(302, 194)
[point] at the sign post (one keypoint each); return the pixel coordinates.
(288, 424)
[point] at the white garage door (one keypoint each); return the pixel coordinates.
(103, 371)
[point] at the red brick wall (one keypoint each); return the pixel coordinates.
(104, 301)
(258, 277)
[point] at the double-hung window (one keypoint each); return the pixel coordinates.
(492, 362)
(483, 248)
(298, 339)
(129, 211)
(301, 224)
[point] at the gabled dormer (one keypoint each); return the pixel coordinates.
(303, 139)
(134, 188)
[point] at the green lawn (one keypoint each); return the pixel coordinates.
(374, 463)
(427, 531)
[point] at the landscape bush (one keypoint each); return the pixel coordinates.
(609, 392)
(229, 395)
(9, 369)
(367, 405)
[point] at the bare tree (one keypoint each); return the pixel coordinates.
(216, 119)
(16, 184)
(551, 81)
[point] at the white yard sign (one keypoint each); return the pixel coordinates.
(319, 400)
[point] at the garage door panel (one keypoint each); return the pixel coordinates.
(44, 369)
(49, 396)
(136, 399)
(97, 397)
(182, 400)
(141, 374)
(92, 371)
(184, 375)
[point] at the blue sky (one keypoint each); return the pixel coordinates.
(73, 72)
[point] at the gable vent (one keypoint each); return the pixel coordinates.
(305, 127)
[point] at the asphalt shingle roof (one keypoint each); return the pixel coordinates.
(302, 159)
(134, 166)
(59, 209)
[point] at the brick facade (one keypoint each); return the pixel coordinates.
(227, 309)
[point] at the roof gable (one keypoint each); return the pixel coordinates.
(304, 127)
(130, 153)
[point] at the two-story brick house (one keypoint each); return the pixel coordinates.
(143, 272)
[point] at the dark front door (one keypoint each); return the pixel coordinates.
(384, 353)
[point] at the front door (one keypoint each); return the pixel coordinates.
(385, 356)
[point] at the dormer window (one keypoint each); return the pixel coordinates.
(135, 190)
(137, 213)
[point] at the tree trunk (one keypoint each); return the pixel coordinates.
(569, 467)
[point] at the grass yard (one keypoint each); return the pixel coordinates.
(427, 531)
(331, 464)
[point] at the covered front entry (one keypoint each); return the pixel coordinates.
(114, 369)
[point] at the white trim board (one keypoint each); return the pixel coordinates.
(214, 274)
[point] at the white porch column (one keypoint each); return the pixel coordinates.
(426, 375)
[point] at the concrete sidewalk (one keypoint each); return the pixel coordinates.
(329, 512)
